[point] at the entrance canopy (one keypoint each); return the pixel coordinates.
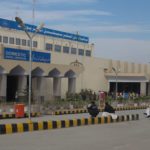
(122, 77)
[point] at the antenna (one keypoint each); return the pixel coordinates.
(33, 11)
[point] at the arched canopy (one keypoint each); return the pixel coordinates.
(38, 72)
(54, 73)
(18, 70)
(70, 74)
(2, 71)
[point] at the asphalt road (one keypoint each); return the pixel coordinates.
(133, 135)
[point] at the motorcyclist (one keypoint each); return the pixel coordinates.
(109, 111)
(108, 108)
(93, 109)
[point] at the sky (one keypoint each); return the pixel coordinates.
(119, 29)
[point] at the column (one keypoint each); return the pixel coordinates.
(72, 85)
(22, 88)
(148, 89)
(3, 87)
(143, 88)
(57, 87)
(40, 89)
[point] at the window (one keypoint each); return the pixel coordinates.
(49, 47)
(18, 41)
(28, 42)
(35, 43)
(81, 52)
(88, 53)
(5, 39)
(11, 40)
(65, 49)
(57, 48)
(0, 38)
(73, 51)
(24, 42)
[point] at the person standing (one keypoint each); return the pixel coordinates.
(16, 96)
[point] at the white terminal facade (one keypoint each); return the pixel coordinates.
(62, 62)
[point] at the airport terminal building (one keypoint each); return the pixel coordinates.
(61, 62)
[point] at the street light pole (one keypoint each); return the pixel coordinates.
(30, 78)
(116, 77)
(22, 25)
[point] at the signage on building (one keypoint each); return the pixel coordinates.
(44, 31)
(41, 57)
(19, 54)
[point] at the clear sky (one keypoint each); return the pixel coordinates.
(120, 29)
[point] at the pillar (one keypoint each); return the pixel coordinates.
(57, 87)
(143, 88)
(3, 85)
(22, 88)
(40, 89)
(72, 85)
(148, 92)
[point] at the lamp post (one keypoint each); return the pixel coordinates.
(30, 36)
(77, 40)
(116, 71)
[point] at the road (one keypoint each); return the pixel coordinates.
(133, 135)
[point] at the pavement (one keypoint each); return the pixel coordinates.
(133, 135)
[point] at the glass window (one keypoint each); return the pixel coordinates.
(65, 49)
(81, 52)
(73, 51)
(28, 42)
(18, 41)
(35, 43)
(5, 39)
(88, 53)
(0, 38)
(11, 40)
(49, 47)
(57, 48)
(24, 42)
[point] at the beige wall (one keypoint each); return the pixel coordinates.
(91, 76)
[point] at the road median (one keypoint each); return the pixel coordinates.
(47, 125)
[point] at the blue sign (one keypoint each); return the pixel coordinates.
(44, 31)
(16, 54)
(41, 57)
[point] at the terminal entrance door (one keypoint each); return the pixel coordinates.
(125, 87)
(12, 84)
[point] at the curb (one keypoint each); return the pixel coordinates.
(8, 116)
(46, 125)
(76, 111)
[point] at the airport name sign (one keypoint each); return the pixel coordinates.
(44, 31)
(23, 55)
